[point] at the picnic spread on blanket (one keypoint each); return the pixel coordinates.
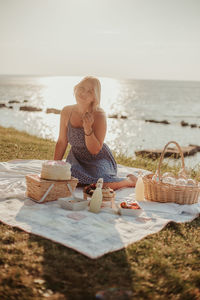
(93, 220)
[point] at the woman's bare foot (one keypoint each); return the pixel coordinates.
(129, 182)
(121, 184)
(133, 178)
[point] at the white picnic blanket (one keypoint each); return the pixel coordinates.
(90, 234)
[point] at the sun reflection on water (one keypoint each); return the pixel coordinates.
(136, 100)
(57, 92)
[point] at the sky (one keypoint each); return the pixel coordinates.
(138, 39)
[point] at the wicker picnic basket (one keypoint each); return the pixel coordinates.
(164, 192)
(37, 187)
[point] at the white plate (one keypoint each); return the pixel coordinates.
(129, 211)
(71, 204)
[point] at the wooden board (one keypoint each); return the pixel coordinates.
(170, 152)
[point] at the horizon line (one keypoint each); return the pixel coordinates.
(109, 77)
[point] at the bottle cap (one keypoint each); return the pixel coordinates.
(140, 174)
(99, 183)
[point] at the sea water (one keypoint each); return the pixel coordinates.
(136, 100)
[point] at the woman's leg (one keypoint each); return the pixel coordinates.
(129, 182)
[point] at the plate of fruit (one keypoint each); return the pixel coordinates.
(108, 193)
(130, 209)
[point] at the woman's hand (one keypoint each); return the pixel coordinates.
(88, 120)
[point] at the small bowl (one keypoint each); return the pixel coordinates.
(106, 204)
(70, 203)
(129, 211)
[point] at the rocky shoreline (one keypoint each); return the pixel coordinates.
(30, 108)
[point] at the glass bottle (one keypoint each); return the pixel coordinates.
(96, 200)
(139, 188)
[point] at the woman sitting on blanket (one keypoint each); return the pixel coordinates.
(83, 125)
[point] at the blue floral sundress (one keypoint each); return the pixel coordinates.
(87, 167)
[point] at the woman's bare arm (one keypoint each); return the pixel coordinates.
(62, 142)
(94, 141)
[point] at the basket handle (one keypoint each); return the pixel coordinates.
(46, 193)
(162, 156)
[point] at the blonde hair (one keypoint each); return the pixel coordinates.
(97, 90)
